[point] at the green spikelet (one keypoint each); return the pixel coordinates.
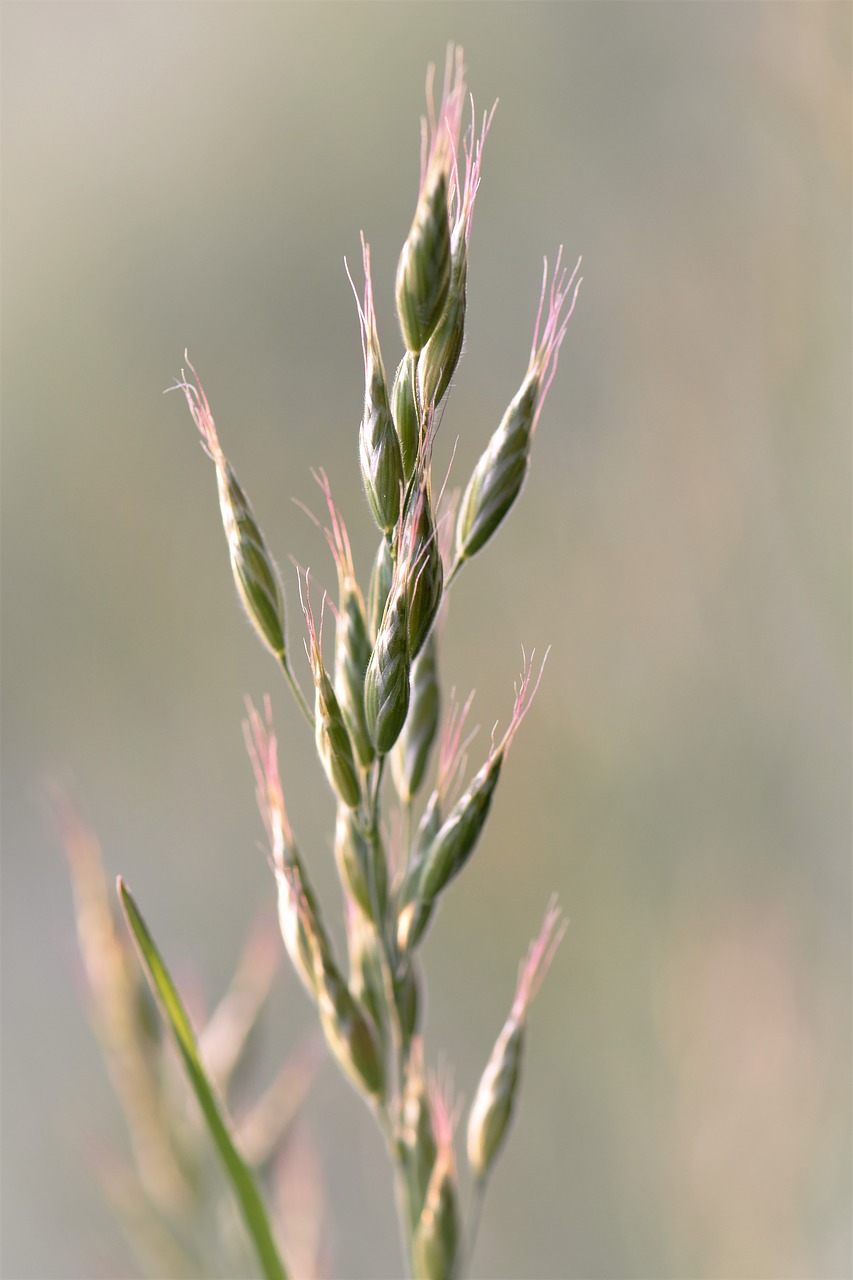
(498, 476)
(352, 641)
(361, 864)
(386, 685)
(500, 473)
(436, 1239)
(255, 574)
(381, 580)
(405, 414)
(349, 1031)
(411, 754)
(495, 1099)
(439, 358)
(422, 568)
(330, 730)
(423, 272)
(417, 1135)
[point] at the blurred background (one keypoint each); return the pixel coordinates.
(190, 175)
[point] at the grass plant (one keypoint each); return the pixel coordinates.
(376, 716)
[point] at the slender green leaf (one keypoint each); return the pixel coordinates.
(243, 1181)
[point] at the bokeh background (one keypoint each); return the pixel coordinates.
(191, 175)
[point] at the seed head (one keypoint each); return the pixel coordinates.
(386, 685)
(492, 1108)
(439, 358)
(423, 272)
(378, 444)
(331, 734)
(255, 573)
(500, 473)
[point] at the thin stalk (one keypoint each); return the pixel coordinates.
(475, 1208)
(403, 1196)
(408, 819)
(457, 565)
(297, 692)
(391, 1117)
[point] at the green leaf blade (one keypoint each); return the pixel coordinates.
(242, 1179)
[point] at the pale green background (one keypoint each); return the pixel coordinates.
(193, 175)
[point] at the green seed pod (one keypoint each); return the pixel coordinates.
(492, 1108)
(365, 967)
(405, 413)
(411, 754)
(352, 641)
(349, 1031)
(352, 654)
(386, 685)
(502, 468)
(361, 864)
(381, 467)
(436, 1239)
(255, 573)
(457, 837)
(498, 476)
(435, 1242)
(455, 842)
(301, 926)
(422, 568)
(253, 568)
(423, 272)
(429, 824)
(378, 445)
(333, 744)
(439, 358)
(330, 730)
(381, 579)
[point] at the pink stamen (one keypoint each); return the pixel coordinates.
(314, 653)
(262, 748)
(201, 414)
(443, 1110)
(545, 351)
(440, 132)
(453, 751)
(524, 696)
(538, 960)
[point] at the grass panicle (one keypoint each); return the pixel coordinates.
(398, 850)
